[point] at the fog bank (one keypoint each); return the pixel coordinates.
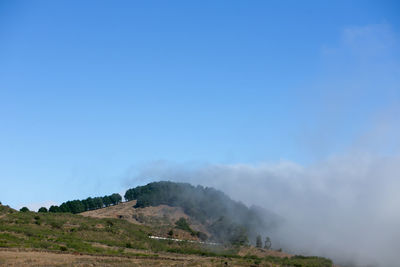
(346, 208)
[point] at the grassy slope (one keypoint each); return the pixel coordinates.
(77, 234)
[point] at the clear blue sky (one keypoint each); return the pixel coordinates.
(90, 90)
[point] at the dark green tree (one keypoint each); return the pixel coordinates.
(182, 224)
(115, 198)
(24, 209)
(54, 209)
(267, 243)
(258, 242)
(75, 206)
(98, 202)
(107, 201)
(238, 236)
(42, 209)
(64, 207)
(90, 204)
(130, 194)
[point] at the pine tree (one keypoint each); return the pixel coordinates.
(267, 243)
(258, 242)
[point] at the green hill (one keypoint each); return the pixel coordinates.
(228, 221)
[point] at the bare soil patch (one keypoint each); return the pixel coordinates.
(261, 252)
(161, 218)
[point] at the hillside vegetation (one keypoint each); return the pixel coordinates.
(159, 208)
(69, 233)
(228, 221)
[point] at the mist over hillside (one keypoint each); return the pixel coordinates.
(345, 208)
(227, 220)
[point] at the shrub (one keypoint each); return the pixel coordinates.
(183, 225)
(56, 224)
(202, 236)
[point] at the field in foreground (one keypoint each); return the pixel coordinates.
(41, 258)
(27, 257)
